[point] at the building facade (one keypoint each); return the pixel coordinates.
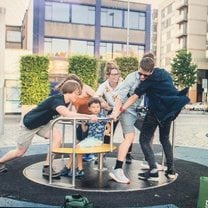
(105, 29)
(183, 24)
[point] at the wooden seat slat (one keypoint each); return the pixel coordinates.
(69, 150)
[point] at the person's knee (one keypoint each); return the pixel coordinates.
(20, 152)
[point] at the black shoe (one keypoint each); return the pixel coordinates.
(65, 171)
(170, 173)
(45, 172)
(3, 168)
(128, 158)
(149, 176)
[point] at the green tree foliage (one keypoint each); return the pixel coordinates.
(183, 71)
(85, 67)
(127, 65)
(34, 83)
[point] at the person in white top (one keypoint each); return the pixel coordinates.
(108, 92)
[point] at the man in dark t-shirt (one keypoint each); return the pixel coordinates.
(37, 121)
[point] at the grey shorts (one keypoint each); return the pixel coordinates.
(26, 135)
(127, 120)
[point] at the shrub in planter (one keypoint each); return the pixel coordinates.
(34, 83)
(127, 65)
(85, 67)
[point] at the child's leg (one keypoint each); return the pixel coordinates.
(69, 162)
(79, 162)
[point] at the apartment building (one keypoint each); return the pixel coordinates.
(183, 24)
(59, 28)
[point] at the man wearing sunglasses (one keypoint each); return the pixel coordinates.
(165, 103)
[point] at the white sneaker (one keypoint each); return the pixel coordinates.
(118, 176)
(145, 166)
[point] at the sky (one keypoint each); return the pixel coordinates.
(15, 9)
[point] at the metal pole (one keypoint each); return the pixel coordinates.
(2, 59)
(127, 39)
(73, 154)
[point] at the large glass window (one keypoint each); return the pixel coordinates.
(56, 47)
(57, 11)
(113, 50)
(81, 47)
(62, 48)
(111, 17)
(83, 14)
(136, 20)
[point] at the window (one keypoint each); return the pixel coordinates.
(62, 47)
(57, 11)
(113, 50)
(111, 17)
(12, 90)
(82, 47)
(83, 14)
(56, 47)
(136, 20)
(13, 36)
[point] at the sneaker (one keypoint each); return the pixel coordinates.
(118, 176)
(128, 158)
(3, 168)
(45, 172)
(170, 173)
(145, 166)
(78, 173)
(88, 157)
(65, 171)
(150, 176)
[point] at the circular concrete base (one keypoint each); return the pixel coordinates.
(95, 180)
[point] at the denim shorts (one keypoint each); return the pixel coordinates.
(127, 120)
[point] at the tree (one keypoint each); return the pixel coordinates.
(184, 72)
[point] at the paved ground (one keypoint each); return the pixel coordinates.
(190, 140)
(190, 131)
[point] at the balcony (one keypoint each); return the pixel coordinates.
(182, 18)
(181, 33)
(181, 4)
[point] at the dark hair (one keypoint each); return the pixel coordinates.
(149, 54)
(69, 77)
(93, 100)
(147, 64)
(70, 86)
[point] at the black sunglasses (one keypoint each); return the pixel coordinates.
(144, 75)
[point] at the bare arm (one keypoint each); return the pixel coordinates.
(63, 111)
(116, 110)
(131, 100)
(88, 90)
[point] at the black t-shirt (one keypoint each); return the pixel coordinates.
(44, 112)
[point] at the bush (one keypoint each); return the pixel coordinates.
(85, 67)
(34, 85)
(127, 65)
